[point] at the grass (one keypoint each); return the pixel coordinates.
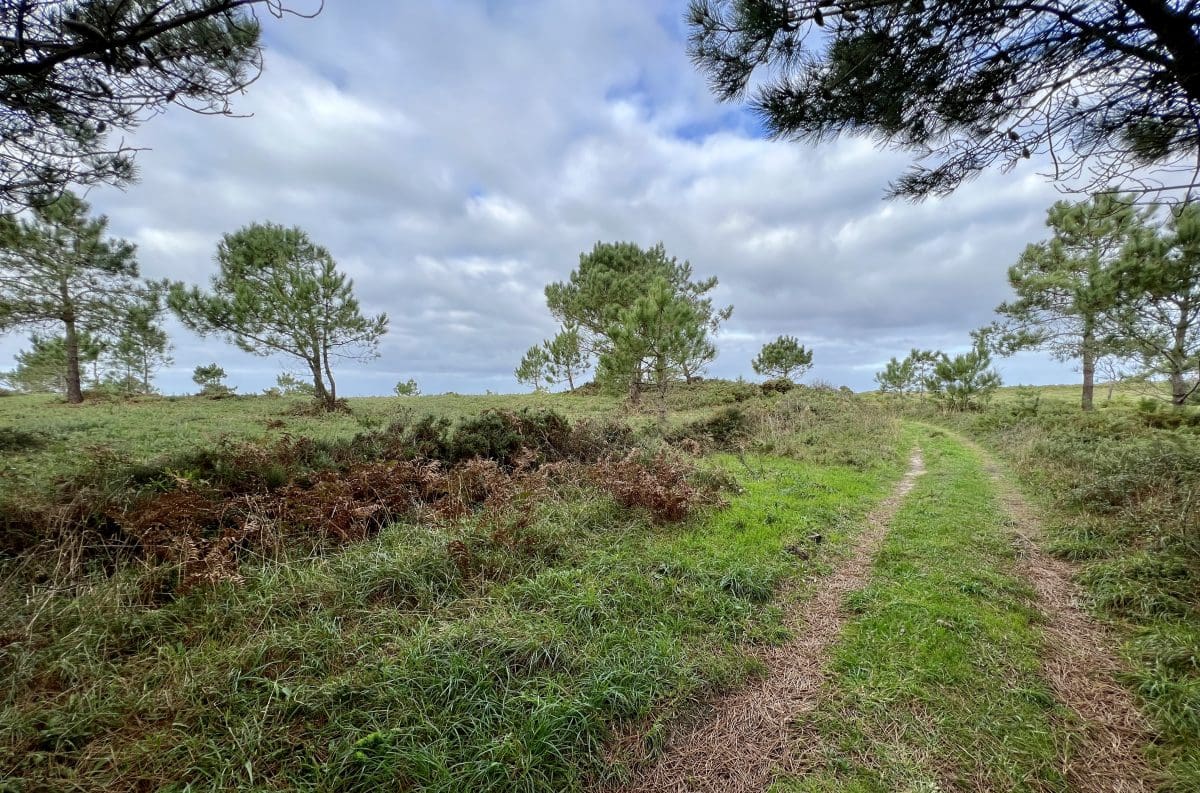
(549, 644)
(43, 438)
(1120, 488)
(935, 682)
(387, 664)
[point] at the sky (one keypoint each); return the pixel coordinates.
(455, 157)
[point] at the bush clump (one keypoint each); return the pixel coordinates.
(15, 441)
(777, 385)
(658, 484)
(722, 430)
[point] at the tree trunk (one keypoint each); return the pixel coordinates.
(1180, 390)
(570, 379)
(662, 381)
(331, 397)
(635, 386)
(1088, 352)
(74, 386)
(319, 392)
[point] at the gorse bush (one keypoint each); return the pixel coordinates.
(778, 385)
(202, 513)
(725, 429)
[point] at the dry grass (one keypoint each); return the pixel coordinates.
(746, 738)
(1108, 739)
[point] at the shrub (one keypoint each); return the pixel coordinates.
(778, 385)
(15, 441)
(657, 484)
(407, 388)
(723, 429)
(211, 379)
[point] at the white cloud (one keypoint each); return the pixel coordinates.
(455, 157)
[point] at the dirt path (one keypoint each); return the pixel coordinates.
(1078, 662)
(745, 741)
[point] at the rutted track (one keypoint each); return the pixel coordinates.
(1079, 664)
(745, 741)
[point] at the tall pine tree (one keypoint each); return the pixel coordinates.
(59, 270)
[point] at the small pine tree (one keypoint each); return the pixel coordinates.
(43, 367)
(567, 359)
(287, 384)
(407, 388)
(534, 368)
(782, 357)
(908, 376)
(965, 381)
(211, 379)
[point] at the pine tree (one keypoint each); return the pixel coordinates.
(73, 72)
(610, 279)
(1103, 89)
(59, 269)
(781, 357)
(652, 337)
(278, 293)
(533, 370)
(1158, 288)
(142, 346)
(1064, 301)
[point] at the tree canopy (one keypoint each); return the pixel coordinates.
(908, 376)
(554, 361)
(43, 367)
(1064, 297)
(211, 379)
(651, 339)
(967, 380)
(277, 292)
(1108, 91)
(59, 269)
(1158, 304)
(141, 346)
(782, 358)
(533, 370)
(609, 281)
(73, 71)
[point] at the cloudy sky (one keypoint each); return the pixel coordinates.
(457, 156)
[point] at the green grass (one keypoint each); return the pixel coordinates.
(140, 430)
(387, 664)
(1119, 488)
(42, 438)
(935, 682)
(382, 666)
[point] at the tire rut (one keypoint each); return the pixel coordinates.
(744, 742)
(1078, 662)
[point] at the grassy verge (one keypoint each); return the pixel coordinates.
(1120, 493)
(935, 682)
(391, 664)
